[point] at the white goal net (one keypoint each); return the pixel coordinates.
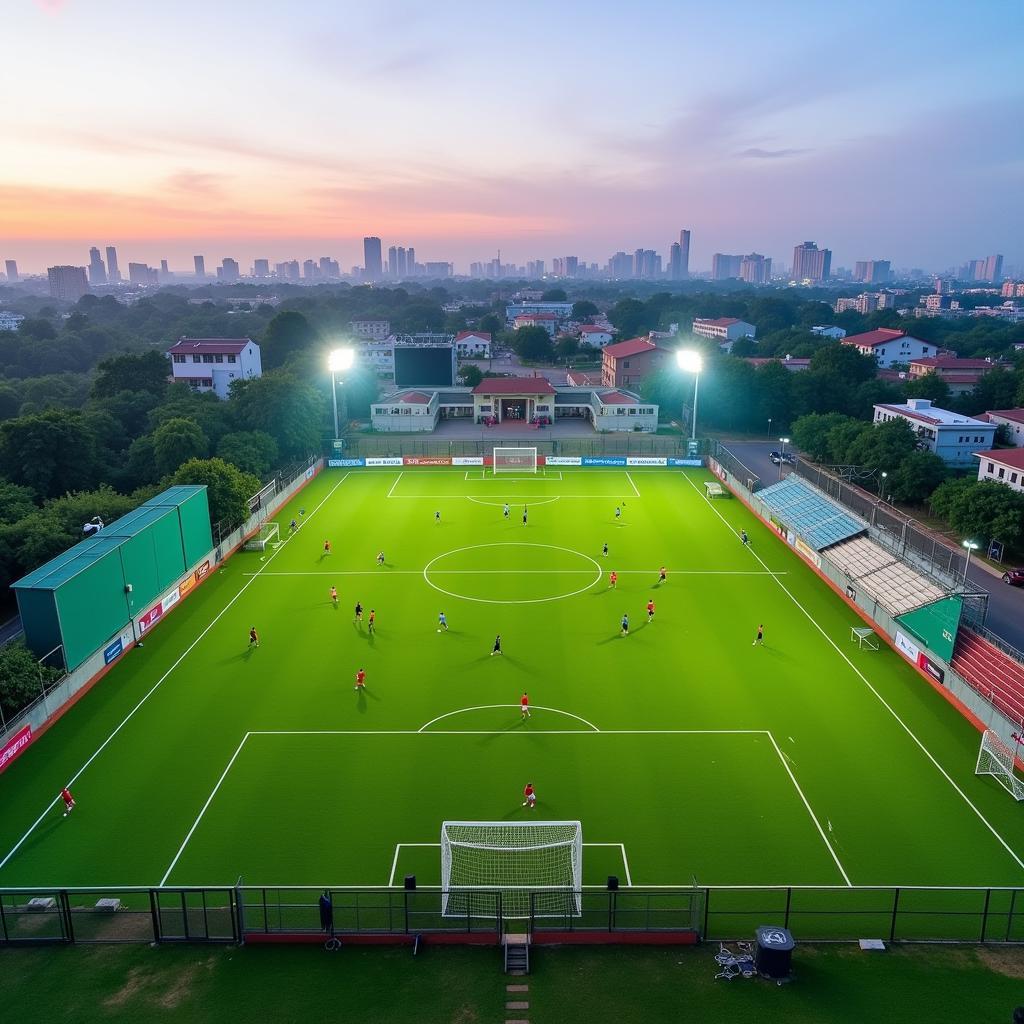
(537, 867)
(995, 758)
(515, 460)
(268, 533)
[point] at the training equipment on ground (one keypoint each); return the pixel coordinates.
(864, 637)
(515, 460)
(535, 866)
(269, 533)
(712, 489)
(995, 758)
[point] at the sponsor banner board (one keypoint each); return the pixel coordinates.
(202, 571)
(427, 460)
(564, 460)
(928, 666)
(186, 586)
(14, 746)
(684, 462)
(113, 651)
(604, 460)
(146, 621)
(907, 647)
(170, 600)
(808, 552)
(646, 460)
(346, 463)
(717, 470)
(468, 460)
(309, 472)
(391, 460)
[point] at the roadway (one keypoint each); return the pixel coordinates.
(1006, 604)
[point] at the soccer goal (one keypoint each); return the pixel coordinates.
(268, 533)
(995, 758)
(515, 460)
(536, 866)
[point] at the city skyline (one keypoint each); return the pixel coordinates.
(886, 145)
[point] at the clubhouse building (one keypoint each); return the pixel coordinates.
(531, 401)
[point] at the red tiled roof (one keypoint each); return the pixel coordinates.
(722, 321)
(1012, 457)
(633, 347)
(592, 329)
(761, 360)
(482, 335)
(877, 337)
(415, 398)
(536, 316)
(580, 378)
(514, 386)
(230, 345)
(952, 363)
(617, 398)
(1016, 415)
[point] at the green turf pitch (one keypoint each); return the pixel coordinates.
(685, 750)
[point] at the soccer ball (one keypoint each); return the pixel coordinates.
(439, 631)
(65, 814)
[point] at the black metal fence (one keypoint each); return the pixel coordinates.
(725, 458)
(392, 445)
(229, 914)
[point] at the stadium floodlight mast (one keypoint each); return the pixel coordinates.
(340, 359)
(691, 362)
(971, 546)
(782, 461)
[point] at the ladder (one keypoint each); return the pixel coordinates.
(517, 953)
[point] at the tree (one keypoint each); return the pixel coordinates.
(146, 371)
(279, 404)
(252, 451)
(471, 375)
(491, 323)
(883, 448)
(21, 678)
(554, 295)
(916, 477)
(228, 489)
(534, 343)
(176, 441)
(928, 385)
(566, 347)
(811, 434)
(631, 317)
(287, 335)
(583, 309)
(775, 395)
(995, 390)
(744, 347)
(51, 452)
(15, 502)
(983, 511)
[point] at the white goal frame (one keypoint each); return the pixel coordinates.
(995, 758)
(482, 858)
(268, 533)
(520, 460)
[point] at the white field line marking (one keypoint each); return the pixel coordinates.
(888, 707)
(395, 484)
(534, 499)
(519, 572)
(625, 860)
(633, 485)
(487, 707)
(394, 862)
(814, 817)
(199, 818)
(502, 732)
(159, 682)
(499, 504)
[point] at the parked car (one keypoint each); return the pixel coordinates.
(1015, 577)
(776, 458)
(789, 458)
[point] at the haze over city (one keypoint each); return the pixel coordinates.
(881, 130)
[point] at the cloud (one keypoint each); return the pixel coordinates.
(196, 183)
(756, 153)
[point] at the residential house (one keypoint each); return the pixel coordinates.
(376, 330)
(473, 345)
(790, 363)
(1012, 419)
(628, 362)
(549, 321)
(960, 374)
(596, 336)
(889, 346)
(212, 364)
(950, 435)
(725, 330)
(1005, 466)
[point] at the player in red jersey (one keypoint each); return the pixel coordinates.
(254, 637)
(360, 680)
(69, 801)
(334, 596)
(529, 796)
(613, 579)
(524, 705)
(371, 620)
(650, 610)
(327, 548)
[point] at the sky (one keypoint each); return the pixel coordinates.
(259, 129)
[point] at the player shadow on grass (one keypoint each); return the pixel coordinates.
(497, 733)
(361, 706)
(43, 832)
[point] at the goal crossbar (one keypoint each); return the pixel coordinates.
(268, 533)
(995, 758)
(514, 460)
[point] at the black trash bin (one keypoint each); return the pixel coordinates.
(774, 955)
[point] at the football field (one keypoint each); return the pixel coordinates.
(687, 751)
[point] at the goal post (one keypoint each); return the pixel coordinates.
(996, 758)
(537, 867)
(268, 533)
(515, 460)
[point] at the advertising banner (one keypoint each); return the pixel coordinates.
(645, 460)
(113, 651)
(716, 469)
(202, 571)
(426, 460)
(604, 460)
(346, 463)
(468, 460)
(564, 460)
(186, 586)
(907, 647)
(309, 472)
(14, 746)
(684, 462)
(395, 460)
(808, 552)
(149, 618)
(170, 600)
(927, 665)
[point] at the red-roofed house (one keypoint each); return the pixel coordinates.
(960, 374)
(546, 320)
(790, 363)
(724, 329)
(473, 345)
(1012, 419)
(211, 364)
(513, 398)
(1005, 466)
(598, 337)
(889, 346)
(628, 362)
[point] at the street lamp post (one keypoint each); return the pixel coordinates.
(339, 359)
(881, 484)
(769, 428)
(782, 460)
(971, 546)
(691, 362)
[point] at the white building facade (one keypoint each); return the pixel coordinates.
(1005, 466)
(725, 330)
(597, 337)
(890, 347)
(213, 364)
(950, 435)
(473, 345)
(10, 321)
(1013, 420)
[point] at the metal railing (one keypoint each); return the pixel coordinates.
(391, 445)
(229, 914)
(281, 479)
(732, 465)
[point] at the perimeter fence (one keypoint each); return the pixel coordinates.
(392, 446)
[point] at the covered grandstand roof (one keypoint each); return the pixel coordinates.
(818, 521)
(896, 586)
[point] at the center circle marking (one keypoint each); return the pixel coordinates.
(599, 572)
